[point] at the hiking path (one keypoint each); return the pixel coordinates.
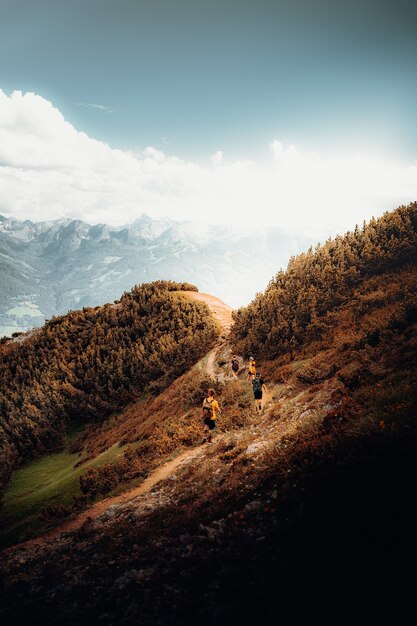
(99, 508)
(223, 315)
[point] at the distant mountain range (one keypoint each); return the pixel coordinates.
(48, 268)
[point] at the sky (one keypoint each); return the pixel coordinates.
(297, 113)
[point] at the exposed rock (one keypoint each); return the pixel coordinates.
(254, 506)
(258, 446)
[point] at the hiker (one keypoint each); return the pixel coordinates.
(251, 368)
(259, 388)
(235, 366)
(210, 410)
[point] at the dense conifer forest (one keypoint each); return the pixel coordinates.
(297, 306)
(83, 366)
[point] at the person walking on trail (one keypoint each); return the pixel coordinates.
(235, 366)
(259, 388)
(210, 411)
(251, 368)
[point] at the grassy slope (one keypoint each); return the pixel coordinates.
(51, 480)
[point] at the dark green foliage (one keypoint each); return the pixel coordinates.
(294, 308)
(82, 366)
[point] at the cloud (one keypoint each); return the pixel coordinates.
(100, 107)
(217, 157)
(49, 169)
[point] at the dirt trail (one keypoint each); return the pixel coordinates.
(101, 507)
(267, 398)
(210, 362)
(223, 314)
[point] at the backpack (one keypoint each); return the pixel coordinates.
(257, 385)
(207, 408)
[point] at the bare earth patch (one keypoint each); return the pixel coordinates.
(221, 311)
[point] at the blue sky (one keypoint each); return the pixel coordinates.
(201, 76)
(195, 79)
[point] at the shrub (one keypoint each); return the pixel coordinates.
(55, 512)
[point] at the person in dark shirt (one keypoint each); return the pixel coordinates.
(235, 366)
(259, 388)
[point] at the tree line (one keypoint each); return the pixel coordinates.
(293, 308)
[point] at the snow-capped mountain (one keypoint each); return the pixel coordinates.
(47, 268)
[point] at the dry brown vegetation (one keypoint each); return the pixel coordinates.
(272, 505)
(288, 512)
(84, 366)
(299, 305)
(157, 427)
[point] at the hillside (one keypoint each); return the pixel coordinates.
(299, 305)
(304, 510)
(81, 367)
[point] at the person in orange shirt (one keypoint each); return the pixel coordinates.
(210, 411)
(251, 368)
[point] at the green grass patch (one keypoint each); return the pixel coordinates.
(49, 480)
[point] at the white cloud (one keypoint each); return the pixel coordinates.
(217, 157)
(49, 169)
